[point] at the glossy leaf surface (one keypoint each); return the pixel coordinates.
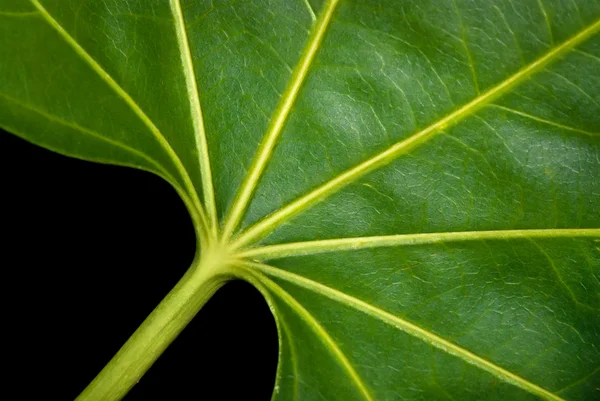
(414, 185)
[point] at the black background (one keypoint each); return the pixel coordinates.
(87, 251)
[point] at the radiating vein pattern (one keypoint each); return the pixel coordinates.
(414, 185)
(485, 235)
(456, 291)
(418, 138)
(244, 63)
(81, 52)
(166, 147)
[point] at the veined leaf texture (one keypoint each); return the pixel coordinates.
(414, 185)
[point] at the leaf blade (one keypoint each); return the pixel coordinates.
(267, 145)
(482, 241)
(481, 284)
(407, 327)
(324, 190)
(119, 90)
(196, 111)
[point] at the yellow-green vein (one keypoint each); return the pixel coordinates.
(547, 21)
(348, 244)
(310, 10)
(302, 203)
(196, 113)
(544, 121)
(93, 134)
(18, 14)
(81, 52)
(158, 168)
(265, 149)
(409, 328)
(559, 276)
(463, 37)
(315, 326)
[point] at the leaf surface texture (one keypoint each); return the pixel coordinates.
(414, 185)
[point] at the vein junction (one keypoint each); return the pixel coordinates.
(244, 255)
(301, 204)
(242, 245)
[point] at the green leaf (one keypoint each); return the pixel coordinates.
(414, 186)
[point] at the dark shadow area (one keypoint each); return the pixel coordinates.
(87, 252)
(228, 352)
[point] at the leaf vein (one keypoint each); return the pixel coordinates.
(577, 87)
(196, 112)
(81, 52)
(313, 16)
(463, 39)
(584, 378)
(304, 202)
(270, 252)
(547, 21)
(559, 276)
(267, 145)
(409, 328)
(317, 328)
(160, 170)
(544, 121)
(89, 132)
(18, 14)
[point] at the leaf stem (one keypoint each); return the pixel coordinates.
(206, 275)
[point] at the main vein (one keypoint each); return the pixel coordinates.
(409, 328)
(265, 149)
(196, 113)
(345, 244)
(81, 52)
(316, 327)
(269, 223)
